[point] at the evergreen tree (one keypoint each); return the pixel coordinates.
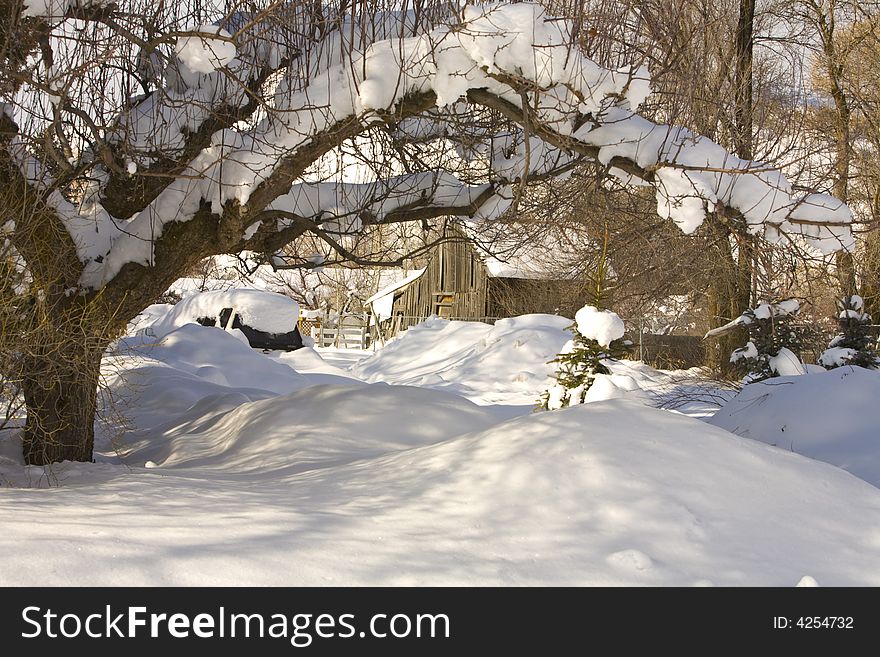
(773, 343)
(854, 345)
(597, 337)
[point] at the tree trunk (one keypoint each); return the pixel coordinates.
(729, 295)
(60, 391)
(871, 267)
(731, 287)
(744, 103)
(827, 24)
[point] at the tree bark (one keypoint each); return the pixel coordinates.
(871, 264)
(744, 103)
(732, 280)
(728, 297)
(60, 390)
(846, 271)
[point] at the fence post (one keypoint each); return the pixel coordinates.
(641, 339)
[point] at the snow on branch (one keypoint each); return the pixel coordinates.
(513, 59)
(343, 207)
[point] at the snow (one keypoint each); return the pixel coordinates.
(505, 363)
(764, 310)
(221, 465)
(261, 310)
(556, 396)
(205, 54)
(786, 307)
(693, 174)
(786, 363)
(378, 485)
(289, 432)
(611, 386)
(748, 351)
(603, 326)
(836, 356)
(189, 354)
(827, 415)
(831, 237)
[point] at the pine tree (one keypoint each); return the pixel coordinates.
(854, 345)
(773, 340)
(597, 337)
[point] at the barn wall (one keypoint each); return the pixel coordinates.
(509, 297)
(455, 284)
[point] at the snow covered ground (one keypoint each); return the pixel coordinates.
(506, 363)
(828, 416)
(421, 463)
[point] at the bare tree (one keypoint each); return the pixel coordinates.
(137, 139)
(846, 53)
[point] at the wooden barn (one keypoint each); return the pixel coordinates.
(459, 282)
(454, 285)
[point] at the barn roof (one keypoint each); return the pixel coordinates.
(393, 287)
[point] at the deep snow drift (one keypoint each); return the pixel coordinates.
(510, 363)
(506, 363)
(313, 428)
(238, 467)
(830, 416)
(607, 493)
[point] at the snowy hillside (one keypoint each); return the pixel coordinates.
(507, 363)
(231, 467)
(612, 493)
(828, 416)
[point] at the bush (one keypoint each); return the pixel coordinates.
(773, 341)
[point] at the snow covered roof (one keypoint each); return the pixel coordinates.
(393, 287)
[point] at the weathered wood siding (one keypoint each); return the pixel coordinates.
(455, 284)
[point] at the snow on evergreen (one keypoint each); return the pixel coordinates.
(598, 337)
(855, 344)
(602, 326)
(773, 340)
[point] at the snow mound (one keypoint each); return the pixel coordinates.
(308, 361)
(786, 363)
(318, 427)
(603, 326)
(162, 378)
(264, 311)
(147, 317)
(612, 493)
(507, 362)
(613, 386)
(830, 416)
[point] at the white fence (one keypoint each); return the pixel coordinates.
(347, 337)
